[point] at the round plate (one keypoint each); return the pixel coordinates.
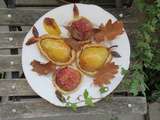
(42, 85)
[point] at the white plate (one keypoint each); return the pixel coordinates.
(42, 85)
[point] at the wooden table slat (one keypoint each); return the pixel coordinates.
(41, 108)
(86, 117)
(22, 88)
(10, 40)
(60, 2)
(29, 16)
(15, 88)
(10, 63)
(38, 2)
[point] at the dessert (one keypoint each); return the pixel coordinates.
(67, 79)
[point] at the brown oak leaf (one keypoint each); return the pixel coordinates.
(106, 74)
(75, 11)
(74, 44)
(35, 38)
(109, 31)
(43, 68)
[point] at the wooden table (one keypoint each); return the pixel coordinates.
(19, 102)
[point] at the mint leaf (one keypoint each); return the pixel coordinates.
(103, 89)
(89, 102)
(72, 106)
(85, 94)
(88, 99)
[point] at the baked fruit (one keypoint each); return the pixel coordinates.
(56, 50)
(92, 57)
(80, 28)
(67, 79)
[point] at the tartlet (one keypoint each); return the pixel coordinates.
(56, 50)
(67, 79)
(92, 57)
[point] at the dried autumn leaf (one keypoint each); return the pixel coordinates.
(35, 32)
(60, 96)
(75, 11)
(43, 68)
(106, 74)
(99, 37)
(32, 40)
(96, 30)
(74, 44)
(113, 46)
(115, 54)
(109, 31)
(51, 26)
